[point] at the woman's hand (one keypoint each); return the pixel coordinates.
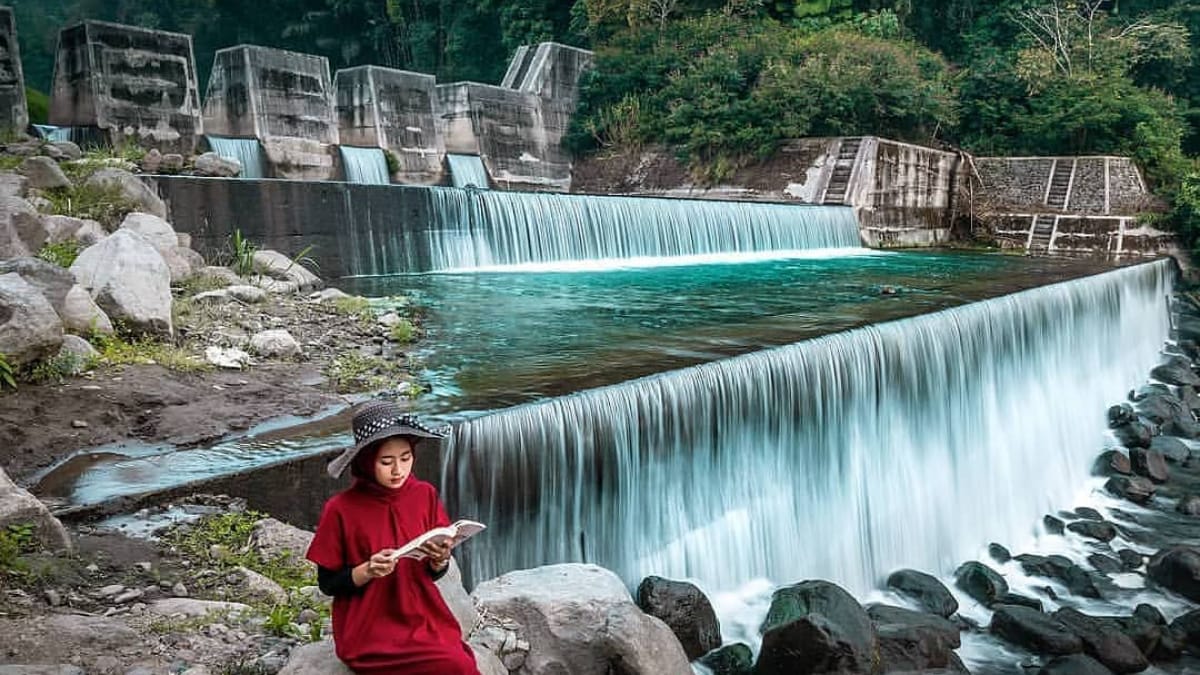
(380, 565)
(438, 551)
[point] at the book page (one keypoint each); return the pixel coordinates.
(457, 533)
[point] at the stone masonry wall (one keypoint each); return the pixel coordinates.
(136, 85)
(1101, 185)
(14, 114)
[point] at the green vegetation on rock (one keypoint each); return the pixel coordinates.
(61, 253)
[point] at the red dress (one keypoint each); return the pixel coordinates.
(398, 623)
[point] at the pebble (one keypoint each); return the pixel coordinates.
(144, 566)
(306, 616)
(93, 568)
(53, 597)
(179, 590)
(111, 590)
(79, 424)
(128, 596)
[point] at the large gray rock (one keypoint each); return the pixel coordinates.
(44, 173)
(278, 266)
(925, 590)
(1178, 569)
(1176, 371)
(271, 539)
(78, 353)
(275, 343)
(457, 599)
(18, 507)
(318, 658)
(914, 641)
(17, 216)
(192, 608)
(90, 233)
(41, 670)
(133, 189)
(129, 280)
(1038, 632)
(1151, 464)
(980, 582)
(816, 627)
(154, 229)
(1171, 448)
(685, 610)
(580, 619)
(12, 185)
(81, 315)
(1136, 489)
(61, 228)
(1075, 664)
(52, 281)
(213, 165)
(30, 329)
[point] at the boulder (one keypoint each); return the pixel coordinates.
(580, 619)
(1074, 664)
(193, 608)
(179, 267)
(81, 315)
(1133, 435)
(12, 185)
(1105, 564)
(271, 538)
(1112, 463)
(60, 228)
(49, 279)
(60, 669)
(18, 219)
(1183, 426)
(276, 286)
(1151, 464)
(250, 295)
(1104, 641)
(816, 627)
(222, 273)
(90, 233)
(1187, 627)
(262, 587)
(1171, 448)
(685, 610)
(1176, 371)
(457, 599)
(194, 260)
(152, 228)
(278, 266)
(1120, 414)
(215, 166)
(30, 330)
(1159, 407)
(734, 659)
(133, 189)
(999, 553)
(231, 358)
(1103, 530)
(151, 161)
(1177, 569)
(1077, 580)
(925, 590)
(1131, 559)
(980, 582)
(1033, 630)
(18, 507)
(275, 344)
(319, 658)
(913, 641)
(129, 280)
(44, 173)
(172, 162)
(328, 295)
(1053, 525)
(1188, 505)
(78, 353)
(1022, 600)
(1134, 488)
(68, 149)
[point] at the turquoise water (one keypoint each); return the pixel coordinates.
(497, 339)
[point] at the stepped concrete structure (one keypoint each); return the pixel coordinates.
(14, 115)
(395, 110)
(282, 98)
(134, 85)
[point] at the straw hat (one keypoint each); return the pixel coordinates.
(377, 420)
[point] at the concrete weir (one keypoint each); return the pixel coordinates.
(395, 110)
(135, 85)
(14, 114)
(282, 98)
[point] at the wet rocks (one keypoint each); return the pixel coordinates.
(685, 610)
(1076, 579)
(815, 627)
(1053, 525)
(1151, 464)
(1188, 505)
(999, 553)
(1100, 530)
(1171, 448)
(925, 590)
(1136, 489)
(1104, 641)
(913, 641)
(1074, 664)
(1112, 462)
(1105, 564)
(1178, 569)
(1133, 435)
(980, 582)
(734, 659)
(1177, 371)
(1130, 558)
(1034, 630)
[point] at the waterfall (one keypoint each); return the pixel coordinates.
(478, 229)
(467, 171)
(245, 150)
(52, 133)
(908, 443)
(367, 166)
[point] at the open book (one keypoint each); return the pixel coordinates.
(456, 533)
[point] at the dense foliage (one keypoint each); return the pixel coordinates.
(726, 81)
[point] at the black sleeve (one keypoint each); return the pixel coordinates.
(336, 583)
(439, 574)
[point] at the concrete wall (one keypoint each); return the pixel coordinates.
(136, 85)
(395, 110)
(1085, 235)
(285, 99)
(14, 115)
(1100, 185)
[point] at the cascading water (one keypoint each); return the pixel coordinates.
(245, 150)
(53, 133)
(367, 166)
(477, 229)
(843, 457)
(467, 171)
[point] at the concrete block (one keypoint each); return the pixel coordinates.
(133, 84)
(14, 114)
(394, 110)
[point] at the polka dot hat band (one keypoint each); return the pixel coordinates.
(377, 420)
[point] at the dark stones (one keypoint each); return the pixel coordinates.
(1112, 463)
(734, 659)
(1176, 371)
(1150, 463)
(1088, 513)
(1053, 525)
(1104, 641)
(1134, 488)
(1189, 505)
(1187, 628)
(1120, 414)
(980, 582)
(1133, 435)
(1076, 579)
(1172, 449)
(685, 610)
(1131, 559)
(1038, 632)
(1102, 530)
(1149, 631)
(925, 590)
(1105, 564)
(1023, 600)
(913, 641)
(1178, 569)
(999, 553)
(1074, 664)
(815, 627)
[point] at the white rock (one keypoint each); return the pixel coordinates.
(90, 233)
(129, 280)
(44, 173)
(61, 228)
(12, 185)
(52, 281)
(80, 352)
(318, 658)
(390, 319)
(17, 506)
(131, 188)
(216, 166)
(278, 266)
(263, 587)
(276, 286)
(248, 294)
(276, 343)
(17, 216)
(227, 357)
(191, 607)
(327, 295)
(81, 315)
(194, 259)
(31, 329)
(580, 619)
(271, 538)
(179, 266)
(155, 230)
(217, 297)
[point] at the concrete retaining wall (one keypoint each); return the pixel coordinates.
(14, 115)
(1100, 185)
(134, 84)
(395, 110)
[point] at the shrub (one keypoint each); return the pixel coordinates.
(38, 105)
(241, 253)
(403, 331)
(62, 253)
(103, 203)
(116, 352)
(59, 367)
(15, 540)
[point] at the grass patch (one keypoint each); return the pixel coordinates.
(8, 378)
(106, 204)
(10, 162)
(15, 540)
(117, 352)
(62, 253)
(403, 331)
(353, 306)
(353, 372)
(200, 283)
(58, 368)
